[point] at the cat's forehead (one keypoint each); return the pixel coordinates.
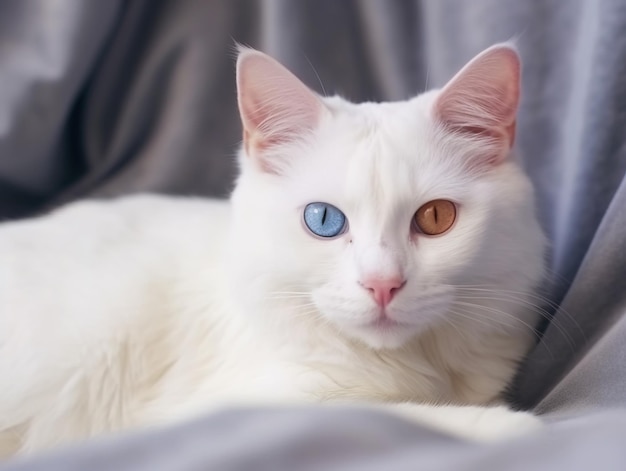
(374, 134)
(373, 153)
(396, 120)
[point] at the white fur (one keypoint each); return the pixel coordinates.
(147, 309)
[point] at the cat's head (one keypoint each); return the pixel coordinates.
(371, 217)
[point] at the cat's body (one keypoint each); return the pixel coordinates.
(146, 310)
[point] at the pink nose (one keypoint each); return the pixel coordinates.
(383, 289)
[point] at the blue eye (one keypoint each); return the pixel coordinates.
(324, 219)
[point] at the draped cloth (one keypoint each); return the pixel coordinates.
(104, 98)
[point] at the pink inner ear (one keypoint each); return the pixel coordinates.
(482, 99)
(275, 106)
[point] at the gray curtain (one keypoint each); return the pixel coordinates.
(102, 98)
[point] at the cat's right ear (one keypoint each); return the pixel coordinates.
(275, 106)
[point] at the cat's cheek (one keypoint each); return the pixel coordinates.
(343, 307)
(431, 308)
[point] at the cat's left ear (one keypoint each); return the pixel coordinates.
(275, 106)
(481, 101)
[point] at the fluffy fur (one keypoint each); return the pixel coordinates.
(144, 310)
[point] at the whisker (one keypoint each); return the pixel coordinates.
(504, 297)
(557, 308)
(488, 321)
(451, 323)
(509, 316)
(472, 318)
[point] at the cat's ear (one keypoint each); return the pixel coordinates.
(275, 106)
(481, 101)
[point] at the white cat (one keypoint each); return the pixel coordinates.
(381, 253)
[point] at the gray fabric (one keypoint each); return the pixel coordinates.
(107, 98)
(351, 440)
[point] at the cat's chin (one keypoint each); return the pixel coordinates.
(383, 336)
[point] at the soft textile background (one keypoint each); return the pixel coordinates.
(101, 98)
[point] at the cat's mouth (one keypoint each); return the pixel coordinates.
(384, 322)
(381, 319)
(384, 332)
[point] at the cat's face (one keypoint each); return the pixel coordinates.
(370, 217)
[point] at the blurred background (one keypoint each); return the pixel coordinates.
(108, 97)
(111, 97)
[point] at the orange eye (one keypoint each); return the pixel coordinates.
(435, 217)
